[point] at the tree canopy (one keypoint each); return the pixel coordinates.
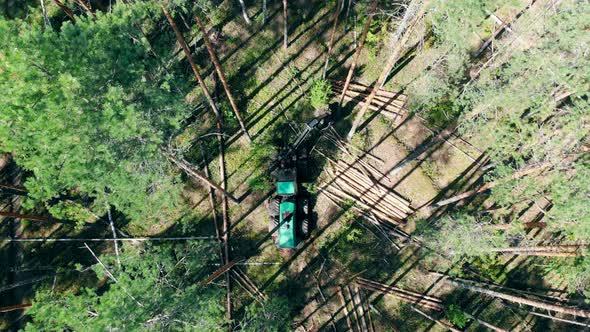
(156, 288)
(82, 112)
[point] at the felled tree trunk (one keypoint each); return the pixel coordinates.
(396, 44)
(516, 175)
(86, 7)
(222, 77)
(358, 51)
(189, 57)
(332, 35)
(25, 216)
(520, 300)
(548, 251)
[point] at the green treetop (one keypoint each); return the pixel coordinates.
(82, 113)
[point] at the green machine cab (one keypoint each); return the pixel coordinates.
(289, 208)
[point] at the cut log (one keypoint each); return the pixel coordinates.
(437, 321)
(358, 50)
(217, 66)
(520, 300)
(407, 296)
(26, 216)
(392, 103)
(332, 35)
(285, 27)
(484, 323)
(189, 57)
(345, 308)
(220, 271)
(16, 307)
(367, 90)
(20, 189)
(413, 13)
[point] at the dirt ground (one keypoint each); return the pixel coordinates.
(312, 275)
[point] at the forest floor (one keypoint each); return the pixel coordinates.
(276, 86)
(273, 86)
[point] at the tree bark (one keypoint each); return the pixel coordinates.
(358, 51)
(16, 307)
(285, 37)
(547, 251)
(332, 35)
(26, 216)
(66, 10)
(189, 57)
(112, 225)
(224, 209)
(245, 12)
(345, 308)
(528, 225)
(557, 248)
(222, 78)
(521, 300)
(396, 44)
(559, 319)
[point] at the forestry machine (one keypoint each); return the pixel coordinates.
(289, 209)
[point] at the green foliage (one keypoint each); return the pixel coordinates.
(320, 94)
(463, 235)
(271, 316)
(68, 210)
(261, 156)
(528, 105)
(81, 112)
(155, 289)
(575, 271)
(456, 316)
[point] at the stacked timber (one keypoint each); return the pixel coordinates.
(412, 297)
(356, 310)
(389, 103)
(370, 196)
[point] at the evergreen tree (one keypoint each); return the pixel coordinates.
(156, 289)
(82, 113)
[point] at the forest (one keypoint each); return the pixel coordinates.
(295, 165)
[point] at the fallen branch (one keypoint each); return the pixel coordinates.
(189, 170)
(437, 321)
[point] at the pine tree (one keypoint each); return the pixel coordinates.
(155, 290)
(81, 112)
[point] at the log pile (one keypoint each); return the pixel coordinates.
(370, 196)
(412, 297)
(389, 103)
(358, 314)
